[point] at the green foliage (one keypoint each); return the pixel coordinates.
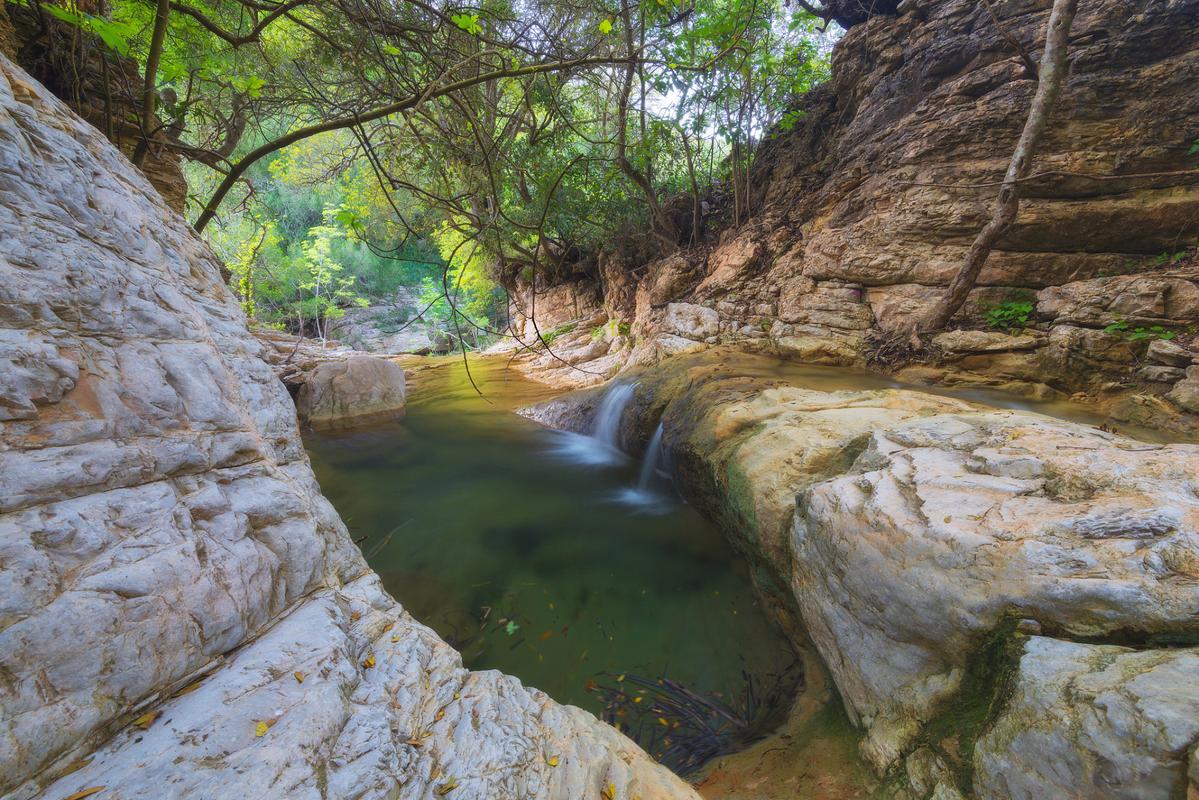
(1010, 314)
(1140, 333)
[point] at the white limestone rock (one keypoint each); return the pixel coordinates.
(690, 321)
(1094, 722)
(160, 525)
(948, 524)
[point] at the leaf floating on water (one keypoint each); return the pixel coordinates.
(511, 627)
(369, 661)
(299, 676)
(620, 678)
(146, 720)
(82, 793)
(591, 685)
(662, 721)
(552, 761)
(260, 729)
(545, 635)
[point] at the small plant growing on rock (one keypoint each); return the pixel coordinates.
(1010, 314)
(1140, 334)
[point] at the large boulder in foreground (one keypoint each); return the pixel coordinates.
(181, 613)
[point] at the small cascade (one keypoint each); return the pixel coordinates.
(609, 413)
(649, 463)
(602, 447)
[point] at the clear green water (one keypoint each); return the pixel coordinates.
(490, 530)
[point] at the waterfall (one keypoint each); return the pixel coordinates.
(649, 463)
(611, 409)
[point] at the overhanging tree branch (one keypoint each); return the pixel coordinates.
(430, 92)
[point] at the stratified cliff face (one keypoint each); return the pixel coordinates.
(181, 613)
(893, 173)
(867, 208)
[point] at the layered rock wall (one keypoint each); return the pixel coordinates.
(181, 613)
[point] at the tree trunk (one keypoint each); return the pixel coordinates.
(1049, 85)
(150, 89)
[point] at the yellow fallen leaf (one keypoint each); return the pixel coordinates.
(261, 728)
(395, 638)
(663, 722)
(146, 720)
(369, 662)
(448, 787)
(82, 793)
(552, 761)
(440, 713)
(189, 688)
(299, 676)
(609, 792)
(620, 679)
(457, 695)
(355, 616)
(638, 699)
(75, 766)
(412, 740)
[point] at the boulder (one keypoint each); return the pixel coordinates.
(182, 614)
(691, 321)
(964, 341)
(350, 390)
(1169, 353)
(1094, 722)
(826, 350)
(1185, 393)
(989, 514)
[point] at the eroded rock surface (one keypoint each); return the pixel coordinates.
(1097, 722)
(181, 613)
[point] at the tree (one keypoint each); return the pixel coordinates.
(1051, 74)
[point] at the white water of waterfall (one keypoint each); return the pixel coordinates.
(602, 447)
(649, 462)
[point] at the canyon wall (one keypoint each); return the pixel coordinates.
(865, 210)
(182, 614)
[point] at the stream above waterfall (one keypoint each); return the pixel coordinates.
(546, 555)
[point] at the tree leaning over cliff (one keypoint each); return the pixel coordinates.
(1049, 85)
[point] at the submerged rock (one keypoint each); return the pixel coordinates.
(182, 614)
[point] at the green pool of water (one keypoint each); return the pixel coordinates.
(529, 562)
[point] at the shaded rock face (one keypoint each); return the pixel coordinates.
(386, 329)
(99, 84)
(352, 390)
(181, 613)
(906, 534)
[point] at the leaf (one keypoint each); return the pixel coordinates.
(552, 761)
(605, 27)
(261, 728)
(146, 720)
(392, 50)
(75, 766)
(545, 635)
(609, 792)
(82, 793)
(447, 787)
(511, 627)
(299, 676)
(468, 23)
(439, 715)
(369, 661)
